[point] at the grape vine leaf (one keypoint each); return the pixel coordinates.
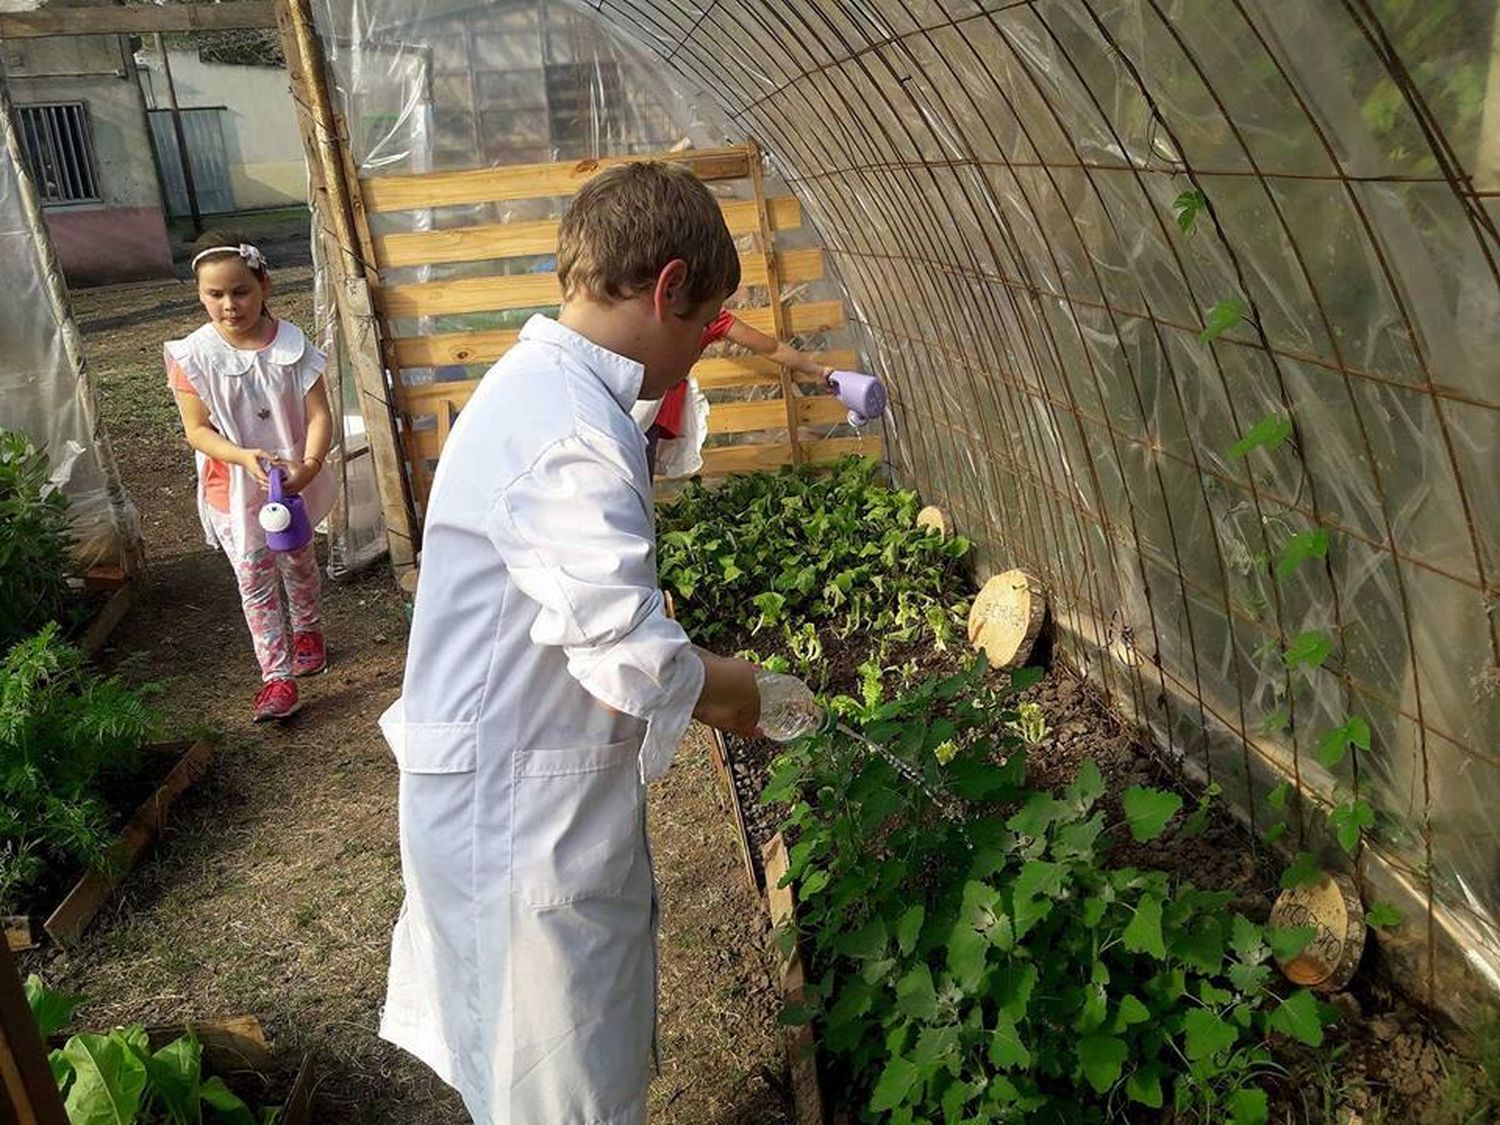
(1310, 649)
(1298, 549)
(1266, 434)
(1335, 744)
(1222, 317)
(1304, 871)
(1186, 207)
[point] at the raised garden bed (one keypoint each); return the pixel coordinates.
(1382, 1058)
(109, 592)
(182, 764)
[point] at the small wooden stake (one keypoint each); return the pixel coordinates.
(801, 1048)
(18, 932)
(28, 1092)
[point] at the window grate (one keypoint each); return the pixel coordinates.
(58, 150)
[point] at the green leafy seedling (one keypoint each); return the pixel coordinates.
(1349, 822)
(1304, 871)
(1148, 810)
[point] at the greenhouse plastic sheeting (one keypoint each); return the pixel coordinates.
(1042, 213)
(447, 84)
(44, 389)
(1164, 292)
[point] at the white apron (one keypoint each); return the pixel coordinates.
(256, 398)
(680, 456)
(523, 963)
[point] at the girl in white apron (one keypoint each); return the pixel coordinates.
(250, 391)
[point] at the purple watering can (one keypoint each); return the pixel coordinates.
(864, 395)
(283, 518)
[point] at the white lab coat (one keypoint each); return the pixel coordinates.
(523, 964)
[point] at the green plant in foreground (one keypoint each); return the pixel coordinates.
(35, 544)
(116, 1079)
(64, 732)
(995, 967)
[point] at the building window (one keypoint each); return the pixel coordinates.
(59, 152)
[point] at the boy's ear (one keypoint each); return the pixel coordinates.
(669, 297)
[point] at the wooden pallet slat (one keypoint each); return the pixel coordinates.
(724, 459)
(770, 414)
(487, 345)
(721, 373)
(423, 190)
(724, 372)
(539, 290)
(485, 242)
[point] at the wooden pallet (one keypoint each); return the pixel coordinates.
(427, 410)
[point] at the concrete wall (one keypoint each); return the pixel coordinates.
(266, 163)
(123, 236)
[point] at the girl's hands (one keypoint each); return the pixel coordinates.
(300, 476)
(254, 462)
(295, 476)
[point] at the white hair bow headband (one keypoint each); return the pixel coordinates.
(251, 254)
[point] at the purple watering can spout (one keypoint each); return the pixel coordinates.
(284, 518)
(864, 395)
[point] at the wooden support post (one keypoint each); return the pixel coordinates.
(346, 265)
(28, 1094)
(789, 389)
(188, 187)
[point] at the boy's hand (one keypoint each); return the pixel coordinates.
(251, 461)
(729, 699)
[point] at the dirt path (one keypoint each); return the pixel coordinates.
(278, 889)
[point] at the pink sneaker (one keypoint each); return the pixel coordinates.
(277, 700)
(309, 654)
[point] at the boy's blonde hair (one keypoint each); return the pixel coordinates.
(629, 221)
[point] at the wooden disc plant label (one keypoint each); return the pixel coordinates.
(1332, 910)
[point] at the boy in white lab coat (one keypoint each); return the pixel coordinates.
(545, 685)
